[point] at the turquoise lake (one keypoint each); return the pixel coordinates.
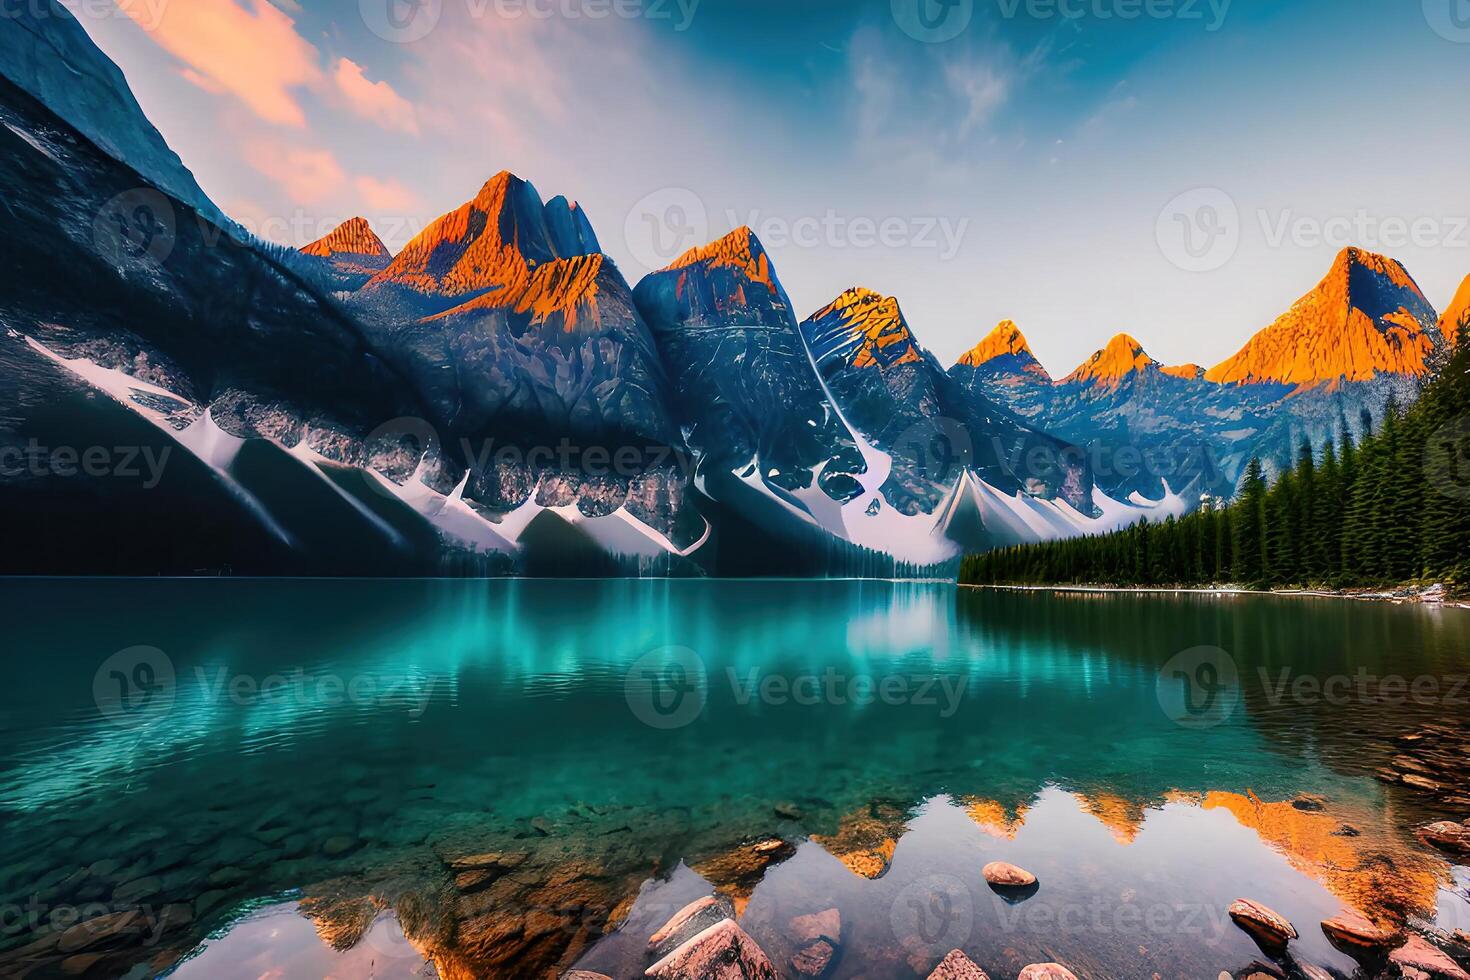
(512, 778)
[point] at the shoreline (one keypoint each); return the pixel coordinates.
(1397, 598)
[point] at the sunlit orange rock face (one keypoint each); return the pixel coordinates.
(1006, 344)
(1458, 314)
(875, 326)
(1192, 372)
(353, 237)
(1112, 364)
(1374, 872)
(564, 286)
(454, 256)
(734, 251)
(1367, 318)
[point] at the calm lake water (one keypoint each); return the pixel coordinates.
(311, 779)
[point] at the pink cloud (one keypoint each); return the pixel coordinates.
(374, 101)
(309, 176)
(386, 195)
(249, 49)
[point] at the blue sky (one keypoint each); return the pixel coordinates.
(1039, 160)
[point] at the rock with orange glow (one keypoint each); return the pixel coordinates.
(766, 438)
(897, 395)
(1457, 317)
(1270, 928)
(352, 253)
(1366, 319)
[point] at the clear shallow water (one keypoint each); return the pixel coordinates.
(302, 770)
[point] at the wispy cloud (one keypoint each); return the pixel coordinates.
(309, 176)
(249, 49)
(387, 195)
(374, 101)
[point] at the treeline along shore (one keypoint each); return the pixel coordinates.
(1391, 510)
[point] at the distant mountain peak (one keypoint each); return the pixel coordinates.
(1457, 314)
(1005, 350)
(739, 250)
(353, 237)
(1367, 317)
(1190, 372)
(1121, 357)
(868, 326)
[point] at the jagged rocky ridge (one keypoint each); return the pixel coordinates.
(496, 397)
(1365, 336)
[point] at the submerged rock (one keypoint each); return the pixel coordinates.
(819, 936)
(1418, 954)
(722, 952)
(1004, 875)
(1447, 836)
(688, 922)
(1351, 931)
(1046, 971)
(1270, 929)
(957, 966)
(585, 975)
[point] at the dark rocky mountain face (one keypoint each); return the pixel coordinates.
(525, 339)
(896, 394)
(753, 410)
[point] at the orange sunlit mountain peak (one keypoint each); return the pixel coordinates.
(352, 237)
(1457, 315)
(1366, 318)
(463, 251)
(1005, 339)
(565, 287)
(1191, 372)
(877, 325)
(739, 250)
(1121, 357)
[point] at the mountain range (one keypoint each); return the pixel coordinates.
(498, 398)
